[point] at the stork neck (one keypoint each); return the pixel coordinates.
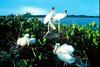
(65, 14)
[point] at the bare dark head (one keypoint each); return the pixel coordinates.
(65, 11)
(57, 44)
(53, 8)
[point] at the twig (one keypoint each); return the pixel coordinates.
(20, 29)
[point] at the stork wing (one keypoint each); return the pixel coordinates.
(67, 49)
(47, 18)
(59, 16)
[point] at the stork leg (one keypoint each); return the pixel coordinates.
(48, 27)
(47, 32)
(52, 25)
(59, 27)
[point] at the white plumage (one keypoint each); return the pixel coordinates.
(49, 16)
(23, 41)
(64, 53)
(48, 19)
(60, 16)
(53, 17)
(57, 17)
(67, 48)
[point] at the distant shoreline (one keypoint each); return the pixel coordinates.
(83, 16)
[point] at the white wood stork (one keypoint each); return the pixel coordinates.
(48, 19)
(23, 41)
(64, 53)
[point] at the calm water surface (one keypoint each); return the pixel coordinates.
(78, 20)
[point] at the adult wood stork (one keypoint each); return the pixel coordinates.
(58, 16)
(23, 41)
(64, 53)
(48, 19)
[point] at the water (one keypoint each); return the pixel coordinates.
(78, 20)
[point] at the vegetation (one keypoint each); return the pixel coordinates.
(84, 38)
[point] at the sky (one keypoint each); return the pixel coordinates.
(42, 7)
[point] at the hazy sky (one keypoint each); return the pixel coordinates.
(41, 7)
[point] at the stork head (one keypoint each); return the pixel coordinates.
(53, 8)
(65, 11)
(27, 35)
(57, 45)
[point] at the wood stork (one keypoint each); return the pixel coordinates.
(64, 53)
(58, 16)
(23, 41)
(48, 19)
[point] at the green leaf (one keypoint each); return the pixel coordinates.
(93, 24)
(44, 40)
(33, 35)
(40, 56)
(73, 26)
(23, 63)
